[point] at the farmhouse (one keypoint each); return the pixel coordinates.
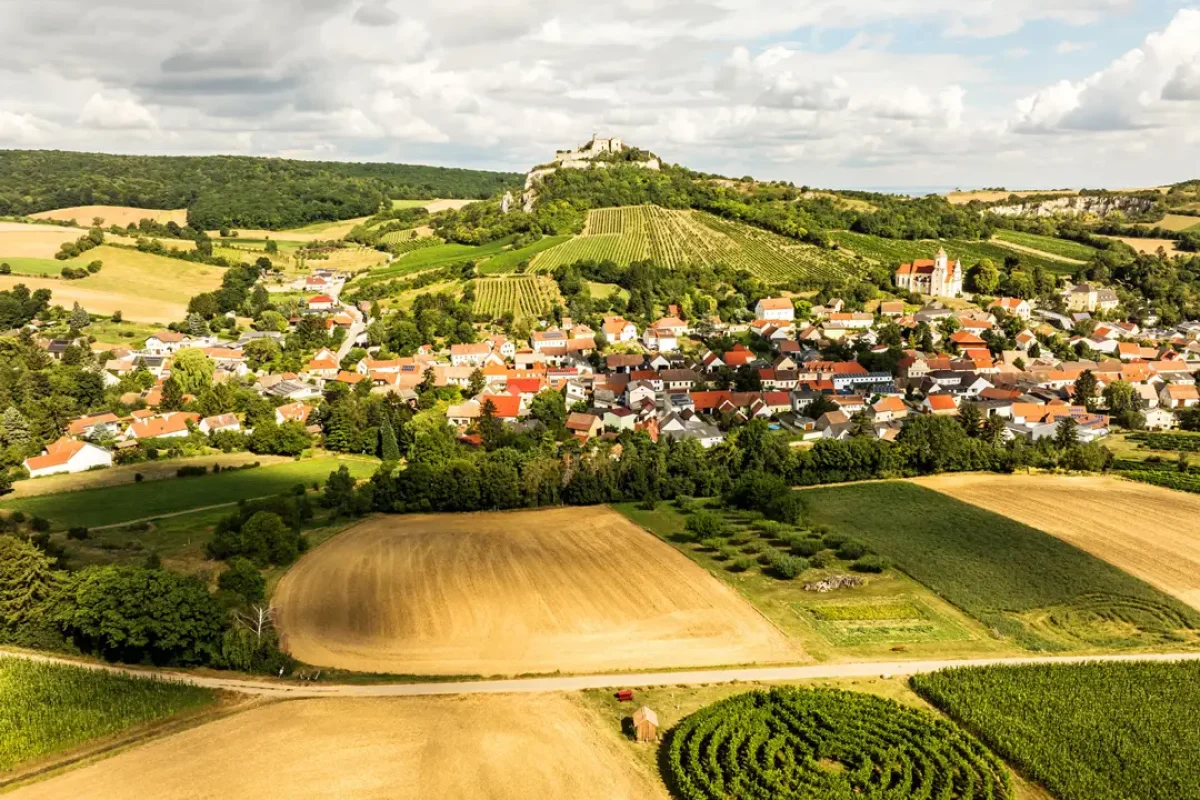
(68, 455)
(938, 278)
(775, 308)
(172, 425)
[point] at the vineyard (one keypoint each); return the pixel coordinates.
(683, 238)
(1167, 478)
(899, 251)
(1085, 731)
(797, 744)
(510, 260)
(1063, 248)
(46, 708)
(524, 296)
(432, 257)
(403, 241)
(1187, 442)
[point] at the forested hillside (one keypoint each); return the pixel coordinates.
(228, 191)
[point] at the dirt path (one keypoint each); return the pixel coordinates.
(575, 683)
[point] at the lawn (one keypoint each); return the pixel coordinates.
(1023, 583)
(1084, 731)
(890, 615)
(128, 502)
(48, 708)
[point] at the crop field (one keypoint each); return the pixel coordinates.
(1084, 731)
(898, 251)
(116, 504)
(113, 215)
(48, 708)
(439, 255)
(1049, 244)
(682, 238)
(503, 747)
(1177, 222)
(1041, 590)
(161, 469)
(509, 260)
(1107, 517)
(25, 241)
(142, 286)
(987, 196)
(814, 744)
(1148, 245)
(575, 590)
(525, 296)
(404, 241)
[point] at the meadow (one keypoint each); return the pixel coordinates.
(116, 504)
(1026, 584)
(440, 255)
(683, 238)
(524, 296)
(510, 260)
(898, 251)
(49, 708)
(1084, 731)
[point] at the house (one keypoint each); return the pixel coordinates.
(547, 340)
(1159, 419)
(321, 302)
(1179, 395)
(221, 422)
(645, 725)
(293, 412)
(93, 425)
(1013, 306)
(324, 365)
(172, 425)
(891, 308)
(940, 405)
(686, 425)
(617, 330)
(164, 343)
(938, 278)
(834, 425)
(775, 308)
(585, 426)
(620, 419)
(470, 355)
(1086, 297)
(68, 455)
(889, 409)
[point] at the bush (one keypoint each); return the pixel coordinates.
(834, 540)
(873, 564)
(786, 567)
(706, 524)
(771, 528)
(78, 533)
(805, 546)
(17, 516)
(851, 550)
(684, 503)
(819, 560)
(191, 471)
(39, 524)
(244, 580)
(712, 543)
(138, 477)
(724, 554)
(740, 565)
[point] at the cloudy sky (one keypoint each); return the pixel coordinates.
(873, 93)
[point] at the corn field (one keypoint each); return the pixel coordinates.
(797, 744)
(684, 238)
(1084, 731)
(47, 708)
(526, 296)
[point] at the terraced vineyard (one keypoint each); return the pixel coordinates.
(898, 251)
(523, 295)
(796, 744)
(682, 238)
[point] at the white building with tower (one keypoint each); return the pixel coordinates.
(937, 278)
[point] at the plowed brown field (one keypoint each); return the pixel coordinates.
(461, 748)
(1148, 531)
(576, 590)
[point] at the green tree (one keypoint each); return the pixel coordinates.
(79, 318)
(1086, 387)
(193, 370)
(971, 419)
(27, 582)
(242, 578)
(476, 383)
(389, 449)
(272, 247)
(339, 493)
(196, 325)
(1066, 434)
(986, 277)
(172, 395)
(1121, 398)
(15, 430)
(491, 429)
(549, 408)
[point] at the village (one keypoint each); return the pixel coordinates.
(663, 379)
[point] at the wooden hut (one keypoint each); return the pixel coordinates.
(645, 725)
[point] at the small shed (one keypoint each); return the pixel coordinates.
(645, 725)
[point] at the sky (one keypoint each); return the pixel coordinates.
(873, 93)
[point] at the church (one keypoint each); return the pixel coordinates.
(938, 278)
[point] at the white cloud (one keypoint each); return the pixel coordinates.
(116, 111)
(22, 129)
(1066, 47)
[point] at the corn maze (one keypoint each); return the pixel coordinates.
(683, 238)
(796, 744)
(525, 296)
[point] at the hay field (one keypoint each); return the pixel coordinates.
(142, 286)
(459, 748)
(113, 215)
(576, 590)
(1177, 222)
(18, 240)
(962, 198)
(1150, 532)
(1148, 245)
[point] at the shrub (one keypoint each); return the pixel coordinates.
(712, 543)
(740, 565)
(819, 560)
(191, 471)
(17, 516)
(685, 503)
(724, 554)
(771, 528)
(786, 567)
(834, 540)
(804, 546)
(243, 579)
(872, 564)
(138, 477)
(851, 550)
(78, 533)
(39, 524)
(705, 524)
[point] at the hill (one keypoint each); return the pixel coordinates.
(228, 191)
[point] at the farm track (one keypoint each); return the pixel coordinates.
(575, 683)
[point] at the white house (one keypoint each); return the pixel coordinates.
(775, 308)
(164, 343)
(470, 355)
(292, 412)
(321, 302)
(68, 455)
(222, 422)
(618, 330)
(1014, 306)
(172, 425)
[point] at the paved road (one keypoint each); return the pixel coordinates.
(358, 327)
(627, 680)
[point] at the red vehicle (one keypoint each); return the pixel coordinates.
(625, 695)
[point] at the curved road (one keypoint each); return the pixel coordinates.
(624, 680)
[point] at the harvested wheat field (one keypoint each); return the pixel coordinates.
(1148, 245)
(500, 747)
(113, 215)
(22, 240)
(576, 590)
(1150, 532)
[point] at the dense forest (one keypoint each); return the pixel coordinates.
(228, 191)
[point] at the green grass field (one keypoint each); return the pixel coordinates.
(35, 266)
(1049, 244)
(433, 257)
(1084, 731)
(49, 708)
(399, 204)
(897, 251)
(117, 504)
(1019, 581)
(509, 260)
(682, 238)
